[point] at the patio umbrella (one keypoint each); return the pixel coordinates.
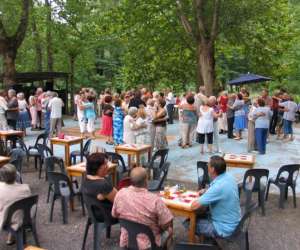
(249, 78)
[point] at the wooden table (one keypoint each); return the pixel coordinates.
(134, 150)
(239, 160)
(67, 142)
(182, 209)
(4, 160)
(78, 170)
(5, 134)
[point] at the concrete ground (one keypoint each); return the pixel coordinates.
(183, 161)
(278, 230)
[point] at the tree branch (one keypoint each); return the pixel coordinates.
(199, 10)
(21, 30)
(185, 22)
(177, 32)
(214, 27)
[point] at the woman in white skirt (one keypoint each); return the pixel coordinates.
(150, 111)
(80, 114)
(205, 126)
(3, 108)
(23, 121)
(251, 127)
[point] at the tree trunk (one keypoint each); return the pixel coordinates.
(49, 38)
(38, 47)
(72, 67)
(9, 45)
(199, 78)
(9, 69)
(206, 62)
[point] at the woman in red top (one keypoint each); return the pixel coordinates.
(223, 100)
(107, 119)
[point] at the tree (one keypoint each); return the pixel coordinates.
(204, 34)
(49, 37)
(9, 44)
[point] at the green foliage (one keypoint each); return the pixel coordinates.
(123, 43)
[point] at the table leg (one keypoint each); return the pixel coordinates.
(67, 155)
(138, 159)
(192, 229)
(129, 161)
(81, 150)
(51, 145)
(149, 155)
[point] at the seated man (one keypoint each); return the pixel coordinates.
(95, 185)
(222, 198)
(137, 204)
(10, 191)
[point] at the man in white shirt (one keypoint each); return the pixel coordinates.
(55, 106)
(289, 116)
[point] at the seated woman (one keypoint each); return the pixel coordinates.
(95, 185)
(16, 192)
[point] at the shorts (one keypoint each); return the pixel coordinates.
(201, 138)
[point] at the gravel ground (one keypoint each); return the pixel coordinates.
(279, 229)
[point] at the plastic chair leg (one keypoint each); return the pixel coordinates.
(35, 162)
(108, 231)
(267, 192)
(40, 171)
(19, 238)
(286, 192)
(247, 240)
(248, 194)
(82, 204)
(48, 195)
(52, 207)
(294, 195)
(282, 189)
(86, 231)
(73, 159)
(64, 207)
(24, 237)
(34, 233)
(261, 199)
(97, 230)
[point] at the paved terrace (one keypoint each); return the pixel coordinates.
(183, 161)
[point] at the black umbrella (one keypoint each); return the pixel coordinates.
(249, 78)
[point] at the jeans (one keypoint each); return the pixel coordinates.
(47, 121)
(204, 226)
(230, 122)
(273, 121)
(170, 110)
(287, 127)
(261, 135)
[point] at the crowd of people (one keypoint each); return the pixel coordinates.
(132, 117)
(142, 116)
(42, 111)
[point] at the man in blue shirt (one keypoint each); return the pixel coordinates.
(222, 198)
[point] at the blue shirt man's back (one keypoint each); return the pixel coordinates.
(223, 199)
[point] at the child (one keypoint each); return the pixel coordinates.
(118, 119)
(90, 115)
